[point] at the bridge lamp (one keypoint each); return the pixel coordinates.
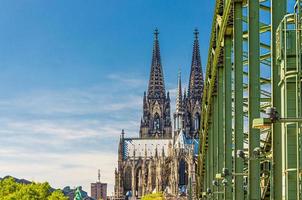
(225, 172)
(215, 183)
(257, 152)
(224, 182)
(209, 191)
(240, 154)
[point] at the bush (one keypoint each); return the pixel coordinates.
(155, 196)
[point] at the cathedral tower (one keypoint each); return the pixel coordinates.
(156, 120)
(192, 102)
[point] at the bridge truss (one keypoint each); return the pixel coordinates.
(250, 138)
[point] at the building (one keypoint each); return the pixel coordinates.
(162, 159)
(98, 189)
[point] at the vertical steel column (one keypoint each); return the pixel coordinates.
(208, 162)
(220, 124)
(278, 10)
(206, 175)
(238, 85)
(209, 154)
(215, 140)
(228, 114)
(253, 96)
(289, 83)
(298, 96)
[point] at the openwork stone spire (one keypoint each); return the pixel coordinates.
(156, 87)
(156, 120)
(179, 102)
(196, 78)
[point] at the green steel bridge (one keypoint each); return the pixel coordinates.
(250, 138)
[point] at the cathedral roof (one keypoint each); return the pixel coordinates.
(183, 142)
(156, 88)
(144, 147)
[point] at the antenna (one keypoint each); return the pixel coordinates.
(99, 175)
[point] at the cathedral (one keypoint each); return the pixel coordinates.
(163, 158)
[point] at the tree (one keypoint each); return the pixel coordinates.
(155, 196)
(8, 186)
(12, 190)
(57, 195)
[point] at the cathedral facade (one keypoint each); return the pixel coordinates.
(163, 158)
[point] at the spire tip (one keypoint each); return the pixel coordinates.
(156, 33)
(196, 33)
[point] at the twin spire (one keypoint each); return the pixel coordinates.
(156, 87)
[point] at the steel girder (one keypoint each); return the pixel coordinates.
(241, 81)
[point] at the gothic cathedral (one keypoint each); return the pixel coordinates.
(162, 158)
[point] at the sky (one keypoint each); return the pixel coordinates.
(72, 76)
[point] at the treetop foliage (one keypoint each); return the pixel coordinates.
(155, 196)
(12, 190)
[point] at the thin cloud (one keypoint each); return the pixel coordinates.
(76, 168)
(80, 127)
(129, 80)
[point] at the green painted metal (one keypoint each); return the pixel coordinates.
(209, 158)
(278, 10)
(210, 81)
(238, 98)
(289, 61)
(220, 123)
(228, 115)
(253, 98)
(215, 143)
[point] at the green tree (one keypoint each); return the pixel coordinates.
(8, 186)
(11, 190)
(57, 195)
(155, 196)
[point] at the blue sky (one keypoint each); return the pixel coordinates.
(73, 74)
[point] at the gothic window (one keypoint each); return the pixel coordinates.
(183, 173)
(153, 178)
(156, 123)
(196, 121)
(128, 179)
(146, 176)
(175, 125)
(138, 182)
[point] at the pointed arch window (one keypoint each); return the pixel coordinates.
(183, 173)
(128, 179)
(196, 121)
(156, 123)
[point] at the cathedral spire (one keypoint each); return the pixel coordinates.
(156, 121)
(156, 88)
(179, 94)
(196, 78)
